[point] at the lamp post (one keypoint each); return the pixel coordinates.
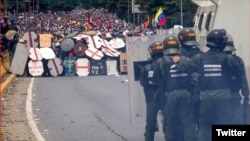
(5, 6)
(128, 11)
(181, 14)
(37, 6)
(17, 7)
(33, 5)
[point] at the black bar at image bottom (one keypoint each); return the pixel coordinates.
(233, 132)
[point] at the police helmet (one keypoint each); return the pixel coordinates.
(230, 44)
(155, 48)
(217, 38)
(171, 45)
(187, 36)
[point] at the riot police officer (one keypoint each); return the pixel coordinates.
(189, 48)
(238, 85)
(216, 69)
(152, 106)
(178, 103)
(189, 45)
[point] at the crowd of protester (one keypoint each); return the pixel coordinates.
(63, 23)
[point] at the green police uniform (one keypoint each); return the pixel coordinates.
(238, 85)
(152, 106)
(178, 100)
(216, 69)
(215, 104)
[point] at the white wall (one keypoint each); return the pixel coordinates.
(234, 16)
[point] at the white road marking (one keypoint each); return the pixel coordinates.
(29, 113)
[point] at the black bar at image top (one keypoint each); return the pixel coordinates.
(233, 132)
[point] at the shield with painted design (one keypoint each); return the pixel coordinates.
(80, 37)
(55, 66)
(94, 41)
(117, 43)
(35, 54)
(110, 51)
(94, 53)
(105, 43)
(35, 68)
(82, 67)
(30, 39)
(67, 44)
(80, 48)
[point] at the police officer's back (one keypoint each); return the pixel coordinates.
(189, 48)
(178, 99)
(156, 52)
(152, 106)
(239, 85)
(216, 69)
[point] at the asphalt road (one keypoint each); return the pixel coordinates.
(93, 108)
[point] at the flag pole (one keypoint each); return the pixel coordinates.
(181, 14)
(128, 11)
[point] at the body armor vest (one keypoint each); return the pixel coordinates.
(176, 79)
(150, 73)
(214, 71)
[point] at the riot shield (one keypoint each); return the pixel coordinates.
(137, 56)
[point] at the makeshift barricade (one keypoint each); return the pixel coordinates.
(80, 54)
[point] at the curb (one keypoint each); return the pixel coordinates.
(6, 83)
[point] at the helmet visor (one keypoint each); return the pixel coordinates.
(191, 43)
(171, 51)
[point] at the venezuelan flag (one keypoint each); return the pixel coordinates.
(160, 18)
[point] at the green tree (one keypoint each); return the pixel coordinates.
(120, 7)
(172, 10)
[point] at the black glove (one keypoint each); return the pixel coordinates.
(16, 37)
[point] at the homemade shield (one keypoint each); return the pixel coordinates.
(30, 38)
(47, 53)
(35, 54)
(80, 48)
(55, 66)
(35, 68)
(137, 56)
(82, 66)
(67, 44)
(20, 59)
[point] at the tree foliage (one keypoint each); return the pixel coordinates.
(172, 10)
